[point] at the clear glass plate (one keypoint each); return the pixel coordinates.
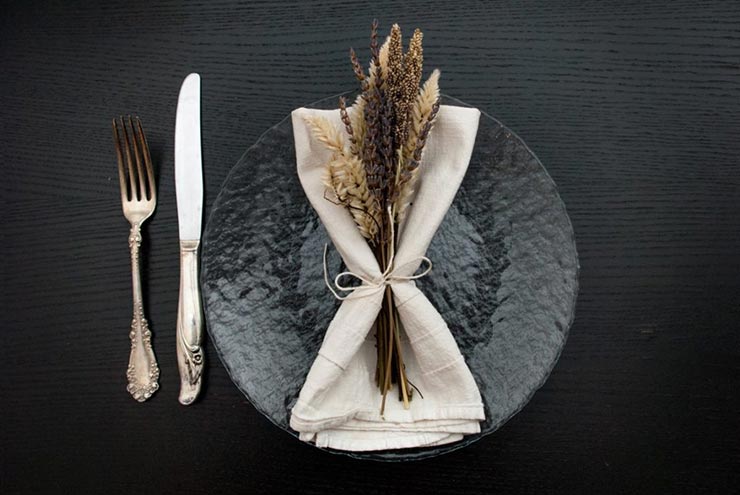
(505, 276)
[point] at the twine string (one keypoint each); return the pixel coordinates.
(388, 277)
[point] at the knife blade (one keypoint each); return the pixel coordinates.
(189, 192)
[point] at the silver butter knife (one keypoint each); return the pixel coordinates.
(189, 188)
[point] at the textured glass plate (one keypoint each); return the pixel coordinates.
(505, 276)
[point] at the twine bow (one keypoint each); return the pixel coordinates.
(388, 277)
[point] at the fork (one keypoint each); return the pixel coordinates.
(139, 198)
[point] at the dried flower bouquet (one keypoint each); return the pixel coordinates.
(374, 169)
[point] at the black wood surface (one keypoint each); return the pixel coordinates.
(634, 109)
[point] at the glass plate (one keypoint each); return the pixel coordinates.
(505, 276)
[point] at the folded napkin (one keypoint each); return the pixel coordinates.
(339, 404)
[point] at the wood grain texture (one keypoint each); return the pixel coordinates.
(632, 107)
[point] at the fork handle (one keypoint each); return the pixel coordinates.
(142, 372)
(190, 359)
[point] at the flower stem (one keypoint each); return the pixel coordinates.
(401, 366)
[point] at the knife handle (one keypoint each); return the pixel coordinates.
(190, 359)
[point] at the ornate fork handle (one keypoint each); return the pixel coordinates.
(143, 372)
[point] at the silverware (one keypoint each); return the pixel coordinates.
(189, 188)
(139, 198)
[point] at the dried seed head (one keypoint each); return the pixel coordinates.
(347, 123)
(374, 40)
(395, 61)
(357, 69)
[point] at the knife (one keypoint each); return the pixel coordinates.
(189, 190)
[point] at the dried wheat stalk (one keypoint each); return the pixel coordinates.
(326, 133)
(350, 186)
(345, 176)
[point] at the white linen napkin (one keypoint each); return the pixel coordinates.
(339, 404)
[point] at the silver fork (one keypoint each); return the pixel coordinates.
(139, 198)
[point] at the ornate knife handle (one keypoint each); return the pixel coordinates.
(190, 357)
(143, 371)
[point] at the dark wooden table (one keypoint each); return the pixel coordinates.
(633, 108)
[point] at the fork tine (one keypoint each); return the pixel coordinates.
(151, 185)
(137, 156)
(129, 163)
(119, 155)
